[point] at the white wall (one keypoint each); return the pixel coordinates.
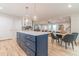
(17, 26)
(8, 26)
(75, 23)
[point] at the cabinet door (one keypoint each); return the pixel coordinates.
(42, 45)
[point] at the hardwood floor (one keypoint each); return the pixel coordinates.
(55, 49)
(11, 48)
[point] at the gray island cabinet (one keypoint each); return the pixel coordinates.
(33, 43)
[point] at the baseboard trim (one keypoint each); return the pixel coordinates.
(7, 38)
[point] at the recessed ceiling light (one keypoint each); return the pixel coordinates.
(69, 5)
(1, 8)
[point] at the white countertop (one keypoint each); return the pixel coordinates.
(35, 33)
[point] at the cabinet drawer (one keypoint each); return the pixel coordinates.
(29, 37)
(26, 49)
(30, 44)
(29, 52)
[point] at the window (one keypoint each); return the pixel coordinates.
(55, 27)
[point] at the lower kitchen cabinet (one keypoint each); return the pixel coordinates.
(33, 45)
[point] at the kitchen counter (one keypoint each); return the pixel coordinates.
(35, 33)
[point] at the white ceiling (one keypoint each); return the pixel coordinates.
(41, 10)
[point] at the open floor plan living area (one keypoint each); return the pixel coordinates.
(39, 29)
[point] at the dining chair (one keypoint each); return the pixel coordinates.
(76, 34)
(54, 37)
(69, 39)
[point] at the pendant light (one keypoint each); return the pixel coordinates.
(35, 17)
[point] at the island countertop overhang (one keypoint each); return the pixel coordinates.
(34, 33)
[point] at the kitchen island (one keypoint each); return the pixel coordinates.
(33, 43)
